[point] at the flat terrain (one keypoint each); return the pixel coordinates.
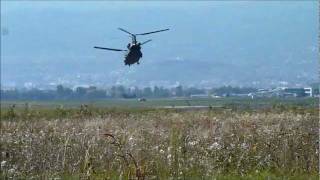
(126, 139)
(154, 102)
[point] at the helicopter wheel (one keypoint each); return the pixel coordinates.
(138, 62)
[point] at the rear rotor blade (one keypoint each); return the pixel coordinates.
(126, 31)
(110, 49)
(146, 42)
(152, 32)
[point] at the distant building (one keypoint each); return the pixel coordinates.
(284, 92)
(215, 96)
(308, 91)
(297, 92)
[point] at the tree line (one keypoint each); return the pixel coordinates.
(92, 92)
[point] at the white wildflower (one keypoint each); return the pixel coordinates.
(169, 156)
(3, 164)
(192, 143)
(11, 171)
(131, 138)
(215, 145)
(244, 145)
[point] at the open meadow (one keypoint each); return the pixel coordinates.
(231, 139)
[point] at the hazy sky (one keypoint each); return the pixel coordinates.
(52, 41)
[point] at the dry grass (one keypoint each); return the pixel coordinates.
(162, 145)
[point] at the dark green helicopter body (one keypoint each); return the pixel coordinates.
(134, 53)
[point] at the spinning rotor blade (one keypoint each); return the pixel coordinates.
(146, 42)
(126, 31)
(110, 49)
(153, 32)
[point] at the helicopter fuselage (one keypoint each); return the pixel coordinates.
(133, 55)
(133, 51)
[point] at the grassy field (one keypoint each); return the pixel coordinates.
(134, 103)
(126, 139)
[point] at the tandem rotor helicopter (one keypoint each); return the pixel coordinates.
(134, 53)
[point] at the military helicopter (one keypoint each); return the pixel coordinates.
(133, 50)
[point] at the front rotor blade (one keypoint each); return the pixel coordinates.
(153, 32)
(126, 31)
(110, 49)
(146, 42)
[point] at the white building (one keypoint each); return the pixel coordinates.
(308, 91)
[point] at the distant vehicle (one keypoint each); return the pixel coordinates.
(142, 99)
(134, 53)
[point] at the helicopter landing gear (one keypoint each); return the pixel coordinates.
(138, 62)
